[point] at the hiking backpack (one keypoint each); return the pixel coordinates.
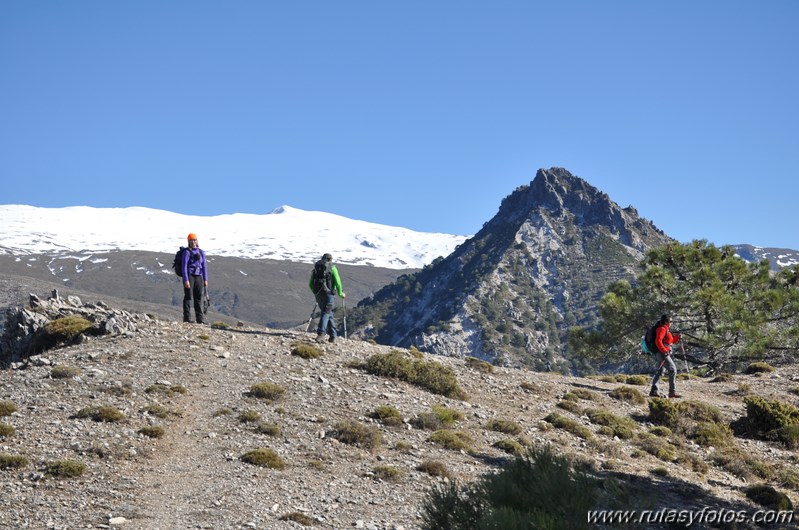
(648, 342)
(177, 263)
(321, 276)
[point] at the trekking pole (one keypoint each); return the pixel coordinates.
(344, 306)
(310, 318)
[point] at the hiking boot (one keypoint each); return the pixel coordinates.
(654, 393)
(674, 395)
(320, 337)
(331, 339)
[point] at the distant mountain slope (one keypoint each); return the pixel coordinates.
(284, 234)
(778, 258)
(510, 293)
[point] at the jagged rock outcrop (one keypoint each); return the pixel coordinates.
(510, 293)
(26, 327)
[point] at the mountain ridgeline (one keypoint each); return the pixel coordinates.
(510, 294)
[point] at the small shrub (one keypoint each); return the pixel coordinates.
(758, 368)
(403, 447)
(708, 434)
(61, 330)
(434, 468)
(204, 337)
(787, 436)
(530, 387)
(427, 421)
(415, 353)
(683, 377)
(624, 428)
(670, 413)
(387, 415)
(628, 394)
(249, 416)
(661, 431)
(503, 426)
(479, 365)
(570, 396)
(6, 430)
(510, 446)
(722, 378)
(585, 394)
(764, 416)
(263, 457)
(571, 406)
(152, 431)
(637, 380)
(447, 415)
(354, 433)
(660, 472)
(429, 375)
(156, 410)
(299, 518)
(569, 425)
(224, 411)
(452, 440)
(620, 378)
(387, 473)
(271, 392)
(270, 429)
(696, 464)
(220, 325)
(106, 414)
(64, 372)
(65, 468)
(656, 447)
(744, 389)
(7, 408)
(540, 490)
(306, 351)
(8, 461)
(767, 496)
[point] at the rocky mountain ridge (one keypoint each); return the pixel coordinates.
(186, 414)
(510, 293)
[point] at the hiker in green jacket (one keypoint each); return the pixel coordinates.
(325, 283)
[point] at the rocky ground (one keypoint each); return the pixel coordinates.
(194, 476)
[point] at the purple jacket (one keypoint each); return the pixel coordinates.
(194, 264)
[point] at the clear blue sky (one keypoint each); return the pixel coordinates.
(422, 114)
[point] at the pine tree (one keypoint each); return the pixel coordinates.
(729, 311)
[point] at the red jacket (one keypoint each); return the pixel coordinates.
(664, 339)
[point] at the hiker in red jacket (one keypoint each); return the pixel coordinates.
(663, 341)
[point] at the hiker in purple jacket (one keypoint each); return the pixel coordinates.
(195, 279)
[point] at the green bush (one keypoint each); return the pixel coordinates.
(583, 393)
(64, 372)
(158, 411)
(767, 496)
(622, 427)
(387, 415)
(65, 468)
(61, 330)
(659, 430)
(105, 413)
(447, 415)
(530, 387)
(264, 458)
(270, 429)
(504, 426)
(723, 378)
(758, 368)
(539, 490)
(673, 413)
(429, 375)
(387, 473)
(763, 416)
(166, 390)
(249, 416)
(571, 406)
(428, 421)
(6, 430)
(709, 434)
(271, 392)
(434, 468)
(628, 394)
(8, 461)
(479, 365)
(452, 440)
(510, 446)
(637, 380)
(657, 447)
(569, 425)
(354, 433)
(7, 408)
(306, 351)
(152, 431)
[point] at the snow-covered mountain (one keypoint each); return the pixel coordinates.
(286, 233)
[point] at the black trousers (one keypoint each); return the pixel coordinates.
(196, 288)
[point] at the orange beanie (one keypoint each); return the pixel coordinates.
(192, 236)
